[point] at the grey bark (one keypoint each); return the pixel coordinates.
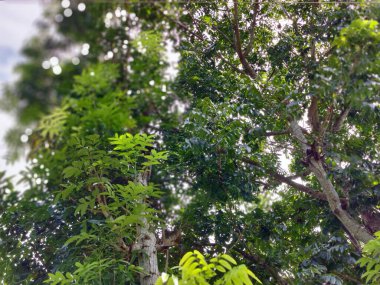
(146, 247)
(357, 230)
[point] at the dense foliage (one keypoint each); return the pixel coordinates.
(262, 143)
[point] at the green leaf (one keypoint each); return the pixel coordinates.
(228, 258)
(250, 273)
(225, 264)
(185, 258)
(71, 171)
(220, 268)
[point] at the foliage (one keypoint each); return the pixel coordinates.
(371, 260)
(92, 273)
(103, 184)
(237, 133)
(271, 120)
(98, 188)
(194, 269)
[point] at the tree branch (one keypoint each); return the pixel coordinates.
(357, 230)
(290, 182)
(262, 133)
(102, 201)
(258, 260)
(196, 22)
(348, 277)
(313, 115)
(276, 133)
(340, 120)
(298, 135)
(201, 38)
(279, 133)
(302, 188)
(326, 122)
(256, 7)
(247, 67)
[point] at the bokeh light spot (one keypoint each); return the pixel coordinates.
(57, 70)
(65, 3)
(46, 64)
(24, 138)
(68, 12)
(81, 7)
(75, 60)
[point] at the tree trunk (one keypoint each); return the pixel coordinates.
(146, 246)
(147, 257)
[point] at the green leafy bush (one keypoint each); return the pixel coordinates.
(371, 260)
(222, 269)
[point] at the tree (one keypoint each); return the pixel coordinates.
(41, 235)
(275, 80)
(259, 82)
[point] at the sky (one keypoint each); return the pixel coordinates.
(17, 22)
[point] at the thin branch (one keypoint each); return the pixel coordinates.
(326, 122)
(247, 67)
(327, 53)
(353, 240)
(196, 22)
(296, 130)
(201, 38)
(187, 28)
(218, 55)
(230, 64)
(302, 188)
(294, 21)
(102, 201)
(258, 260)
(276, 133)
(256, 6)
(290, 182)
(340, 120)
(348, 277)
(303, 174)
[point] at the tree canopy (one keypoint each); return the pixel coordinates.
(254, 158)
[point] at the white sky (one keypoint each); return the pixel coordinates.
(17, 20)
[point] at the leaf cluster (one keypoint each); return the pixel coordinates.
(222, 269)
